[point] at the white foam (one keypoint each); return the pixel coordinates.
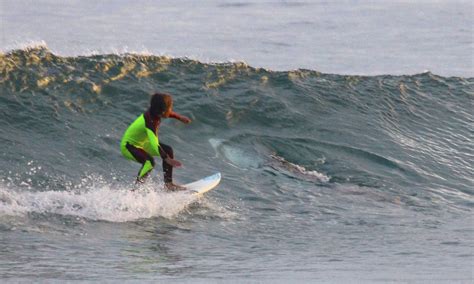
(300, 169)
(101, 203)
(24, 45)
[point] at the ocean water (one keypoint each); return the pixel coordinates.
(332, 172)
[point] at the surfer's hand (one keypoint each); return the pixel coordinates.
(173, 163)
(185, 119)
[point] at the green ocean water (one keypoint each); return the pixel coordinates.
(323, 174)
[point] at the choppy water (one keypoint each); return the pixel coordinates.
(325, 177)
(365, 37)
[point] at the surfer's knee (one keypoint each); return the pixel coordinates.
(146, 168)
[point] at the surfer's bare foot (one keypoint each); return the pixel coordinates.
(174, 187)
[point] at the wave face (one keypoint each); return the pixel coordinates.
(67, 116)
(298, 142)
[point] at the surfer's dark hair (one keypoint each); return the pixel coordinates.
(160, 103)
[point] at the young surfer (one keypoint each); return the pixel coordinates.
(140, 141)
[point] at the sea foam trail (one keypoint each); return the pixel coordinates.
(104, 203)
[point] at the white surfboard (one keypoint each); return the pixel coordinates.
(203, 185)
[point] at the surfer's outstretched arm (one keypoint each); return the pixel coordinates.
(182, 118)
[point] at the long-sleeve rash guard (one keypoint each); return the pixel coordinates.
(143, 133)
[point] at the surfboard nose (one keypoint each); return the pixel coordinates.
(204, 185)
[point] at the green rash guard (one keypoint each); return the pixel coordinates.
(140, 136)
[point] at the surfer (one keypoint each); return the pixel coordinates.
(140, 141)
